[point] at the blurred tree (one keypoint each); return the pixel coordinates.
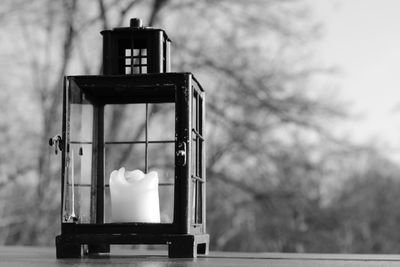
(268, 133)
(366, 208)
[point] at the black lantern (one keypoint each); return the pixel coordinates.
(135, 85)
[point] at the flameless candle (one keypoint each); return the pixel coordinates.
(134, 196)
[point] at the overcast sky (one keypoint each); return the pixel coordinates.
(362, 39)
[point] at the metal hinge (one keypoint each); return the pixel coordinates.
(57, 142)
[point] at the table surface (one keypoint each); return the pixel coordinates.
(38, 256)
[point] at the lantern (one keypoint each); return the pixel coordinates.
(109, 123)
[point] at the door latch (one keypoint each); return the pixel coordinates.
(181, 154)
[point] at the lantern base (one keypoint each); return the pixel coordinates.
(179, 245)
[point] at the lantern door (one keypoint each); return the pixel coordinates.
(77, 159)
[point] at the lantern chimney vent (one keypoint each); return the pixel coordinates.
(136, 23)
(135, 50)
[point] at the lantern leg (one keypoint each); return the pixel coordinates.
(182, 248)
(202, 249)
(67, 249)
(188, 246)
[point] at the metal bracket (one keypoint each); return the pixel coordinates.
(181, 154)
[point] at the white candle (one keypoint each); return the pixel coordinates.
(134, 196)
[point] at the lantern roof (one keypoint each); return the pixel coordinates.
(136, 27)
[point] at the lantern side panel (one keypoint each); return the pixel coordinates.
(140, 136)
(78, 157)
(170, 92)
(197, 158)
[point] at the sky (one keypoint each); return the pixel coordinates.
(361, 38)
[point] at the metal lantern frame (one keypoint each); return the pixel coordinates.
(149, 83)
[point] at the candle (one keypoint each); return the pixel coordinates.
(134, 196)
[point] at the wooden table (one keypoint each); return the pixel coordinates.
(34, 256)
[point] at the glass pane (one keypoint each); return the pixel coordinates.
(194, 156)
(81, 122)
(77, 187)
(127, 203)
(162, 121)
(124, 122)
(107, 201)
(166, 203)
(194, 110)
(78, 172)
(193, 197)
(196, 201)
(199, 205)
(162, 160)
(129, 156)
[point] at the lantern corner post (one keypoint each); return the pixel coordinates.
(97, 189)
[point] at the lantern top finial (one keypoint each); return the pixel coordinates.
(136, 23)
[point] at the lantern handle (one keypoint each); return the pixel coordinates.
(57, 142)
